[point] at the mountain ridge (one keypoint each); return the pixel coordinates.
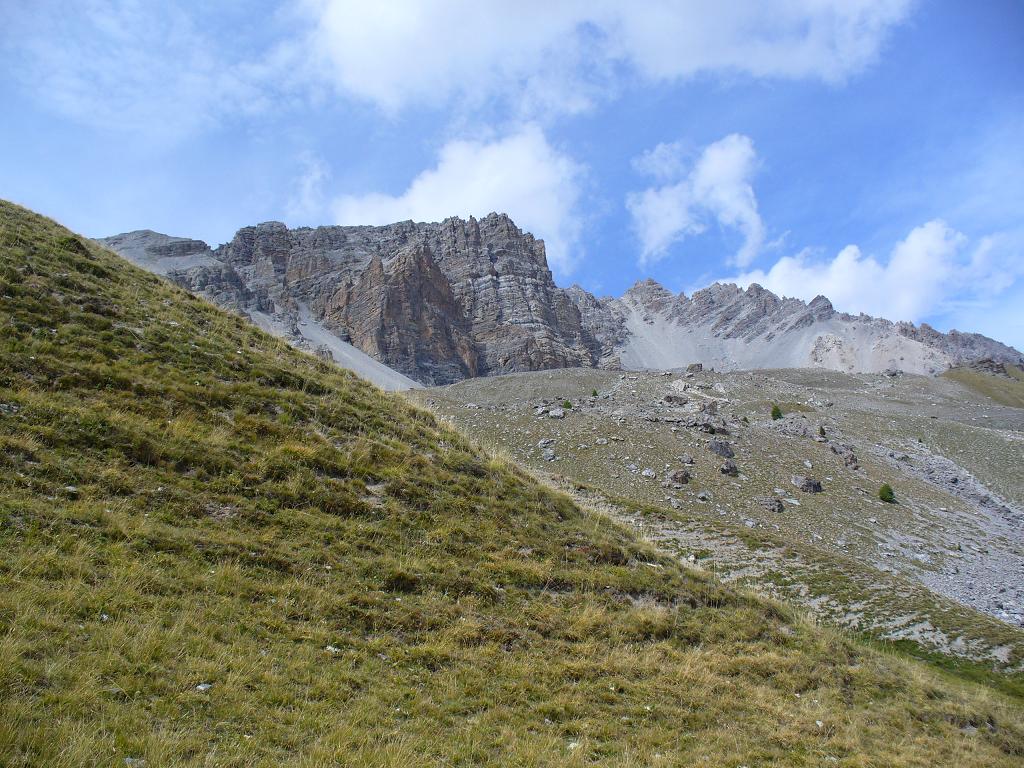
(440, 302)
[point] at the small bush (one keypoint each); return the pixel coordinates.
(566, 404)
(593, 393)
(886, 494)
(776, 412)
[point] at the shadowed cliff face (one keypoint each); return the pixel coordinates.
(408, 316)
(457, 299)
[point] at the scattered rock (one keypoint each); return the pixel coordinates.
(648, 473)
(694, 368)
(806, 483)
(556, 413)
(686, 459)
(729, 468)
(722, 448)
(771, 503)
(680, 476)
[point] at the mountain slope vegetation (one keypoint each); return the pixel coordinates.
(217, 550)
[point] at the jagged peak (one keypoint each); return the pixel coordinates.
(821, 304)
(648, 289)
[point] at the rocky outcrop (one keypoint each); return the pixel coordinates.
(406, 315)
(461, 298)
(437, 302)
(731, 328)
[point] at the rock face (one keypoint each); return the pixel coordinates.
(437, 302)
(730, 328)
(457, 299)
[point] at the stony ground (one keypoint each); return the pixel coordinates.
(697, 464)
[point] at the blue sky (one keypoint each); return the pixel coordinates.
(870, 150)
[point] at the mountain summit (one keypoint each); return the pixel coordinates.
(440, 302)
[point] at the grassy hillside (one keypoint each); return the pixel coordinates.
(215, 550)
(1008, 390)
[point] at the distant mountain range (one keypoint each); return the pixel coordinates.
(412, 303)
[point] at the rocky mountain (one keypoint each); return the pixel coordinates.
(731, 328)
(410, 303)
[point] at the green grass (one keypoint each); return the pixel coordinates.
(1005, 391)
(185, 500)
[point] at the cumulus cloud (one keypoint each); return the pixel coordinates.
(564, 54)
(173, 68)
(717, 188)
(520, 174)
(934, 271)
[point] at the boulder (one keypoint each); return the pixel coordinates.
(721, 448)
(680, 476)
(806, 483)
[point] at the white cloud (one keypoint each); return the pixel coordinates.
(934, 271)
(718, 187)
(173, 68)
(562, 55)
(160, 69)
(306, 203)
(820, 39)
(666, 161)
(520, 174)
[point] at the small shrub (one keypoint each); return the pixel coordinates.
(593, 393)
(821, 431)
(566, 404)
(886, 494)
(776, 412)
